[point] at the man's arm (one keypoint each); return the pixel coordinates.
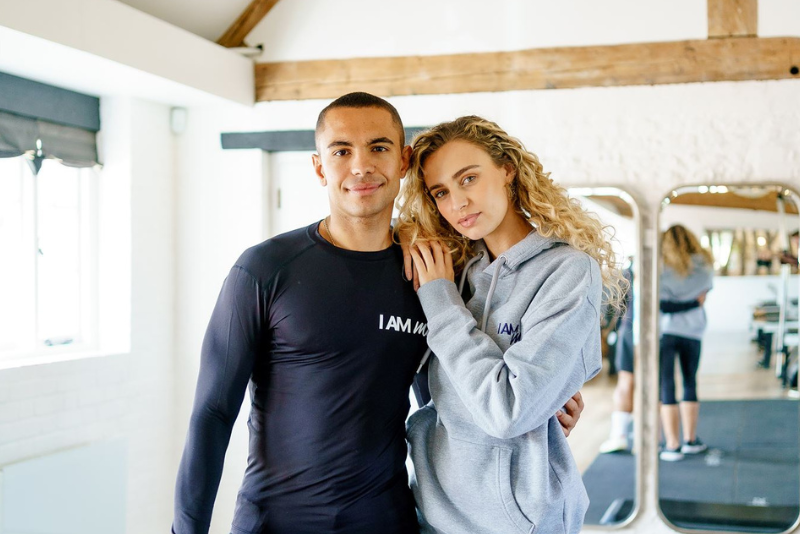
(675, 306)
(226, 364)
(571, 414)
(568, 417)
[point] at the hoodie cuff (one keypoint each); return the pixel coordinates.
(438, 296)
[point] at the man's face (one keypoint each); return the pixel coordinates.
(361, 161)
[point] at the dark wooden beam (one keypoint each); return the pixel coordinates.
(732, 18)
(248, 20)
(709, 60)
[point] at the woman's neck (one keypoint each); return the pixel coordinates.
(513, 229)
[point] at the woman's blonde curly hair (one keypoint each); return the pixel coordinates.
(678, 245)
(536, 197)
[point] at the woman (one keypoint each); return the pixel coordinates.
(489, 456)
(686, 274)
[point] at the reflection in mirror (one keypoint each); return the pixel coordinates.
(728, 286)
(603, 440)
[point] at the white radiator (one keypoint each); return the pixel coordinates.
(75, 491)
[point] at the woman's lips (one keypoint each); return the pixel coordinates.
(469, 220)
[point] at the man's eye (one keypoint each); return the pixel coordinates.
(340, 152)
(380, 149)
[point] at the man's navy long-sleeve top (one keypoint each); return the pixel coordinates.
(328, 341)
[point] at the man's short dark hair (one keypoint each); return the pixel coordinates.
(361, 100)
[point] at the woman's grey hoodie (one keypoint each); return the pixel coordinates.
(489, 454)
(692, 323)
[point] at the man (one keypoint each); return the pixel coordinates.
(328, 334)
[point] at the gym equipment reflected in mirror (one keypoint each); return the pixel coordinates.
(728, 288)
(604, 440)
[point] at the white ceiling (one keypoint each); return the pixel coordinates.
(207, 18)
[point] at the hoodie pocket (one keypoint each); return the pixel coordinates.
(469, 489)
(510, 504)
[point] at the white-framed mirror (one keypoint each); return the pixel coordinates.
(729, 458)
(605, 440)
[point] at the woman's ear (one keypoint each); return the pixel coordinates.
(511, 173)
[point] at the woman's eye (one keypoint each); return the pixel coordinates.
(468, 179)
(439, 194)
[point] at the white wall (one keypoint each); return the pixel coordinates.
(127, 396)
(354, 28)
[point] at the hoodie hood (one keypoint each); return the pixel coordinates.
(531, 246)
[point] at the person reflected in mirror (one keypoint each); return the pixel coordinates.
(620, 436)
(622, 416)
(512, 342)
(686, 273)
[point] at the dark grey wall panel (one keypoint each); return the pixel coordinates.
(284, 141)
(53, 104)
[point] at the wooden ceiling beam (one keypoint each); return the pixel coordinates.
(768, 202)
(248, 20)
(732, 18)
(542, 68)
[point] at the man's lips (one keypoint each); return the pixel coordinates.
(469, 220)
(365, 188)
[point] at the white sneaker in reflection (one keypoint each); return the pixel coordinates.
(614, 444)
(671, 455)
(693, 447)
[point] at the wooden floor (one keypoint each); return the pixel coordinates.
(727, 371)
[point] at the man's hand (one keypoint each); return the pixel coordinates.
(573, 409)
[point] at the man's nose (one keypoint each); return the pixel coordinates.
(363, 163)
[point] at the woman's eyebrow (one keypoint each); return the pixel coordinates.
(462, 171)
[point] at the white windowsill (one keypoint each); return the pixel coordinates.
(29, 359)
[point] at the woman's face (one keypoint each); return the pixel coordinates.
(469, 189)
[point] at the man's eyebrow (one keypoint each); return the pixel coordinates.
(462, 171)
(384, 140)
(340, 143)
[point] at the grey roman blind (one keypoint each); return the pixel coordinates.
(42, 121)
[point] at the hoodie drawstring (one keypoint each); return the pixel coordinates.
(488, 306)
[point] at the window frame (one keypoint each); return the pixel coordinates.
(28, 347)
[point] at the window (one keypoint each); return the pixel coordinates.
(48, 258)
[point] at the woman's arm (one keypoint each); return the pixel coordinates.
(514, 392)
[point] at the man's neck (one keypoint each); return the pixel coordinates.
(362, 234)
